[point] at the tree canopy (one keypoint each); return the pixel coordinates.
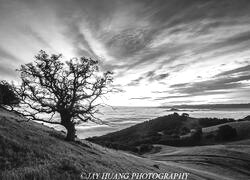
(50, 86)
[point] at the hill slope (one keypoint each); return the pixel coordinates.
(228, 161)
(29, 150)
(173, 129)
(146, 132)
(242, 128)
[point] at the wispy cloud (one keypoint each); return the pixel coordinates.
(140, 98)
(240, 70)
(6, 56)
(175, 47)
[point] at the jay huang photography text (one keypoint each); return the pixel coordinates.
(136, 176)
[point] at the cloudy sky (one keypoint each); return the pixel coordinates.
(162, 51)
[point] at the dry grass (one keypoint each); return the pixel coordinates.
(242, 128)
(229, 161)
(29, 150)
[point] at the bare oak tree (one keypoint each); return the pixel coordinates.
(69, 89)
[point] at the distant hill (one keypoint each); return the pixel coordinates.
(173, 130)
(210, 106)
(242, 129)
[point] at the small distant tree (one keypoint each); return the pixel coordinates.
(8, 98)
(50, 86)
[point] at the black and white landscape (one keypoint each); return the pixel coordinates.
(124, 89)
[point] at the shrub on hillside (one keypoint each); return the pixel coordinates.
(226, 133)
(145, 148)
(197, 136)
(247, 118)
(7, 95)
(185, 115)
(206, 122)
(184, 130)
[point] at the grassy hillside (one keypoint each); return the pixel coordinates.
(29, 150)
(242, 128)
(235, 131)
(147, 132)
(230, 161)
(174, 130)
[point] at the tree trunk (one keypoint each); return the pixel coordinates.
(71, 132)
(69, 125)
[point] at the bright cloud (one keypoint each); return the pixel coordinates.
(162, 52)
